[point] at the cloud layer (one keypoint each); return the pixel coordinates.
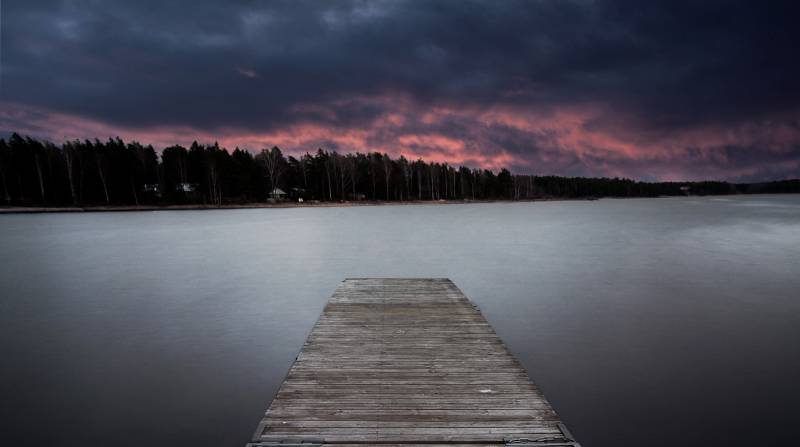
(660, 90)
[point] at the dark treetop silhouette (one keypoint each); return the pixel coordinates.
(86, 173)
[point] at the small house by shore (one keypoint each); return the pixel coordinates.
(277, 194)
(186, 187)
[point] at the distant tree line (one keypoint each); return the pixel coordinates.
(87, 173)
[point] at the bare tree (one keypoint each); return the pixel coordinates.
(455, 174)
(38, 163)
(446, 171)
(328, 169)
(387, 172)
(406, 172)
(355, 175)
(433, 180)
(274, 164)
(213, 183)
(474, 178)
(419, 179)
(341, 174)
(346, 173)
(69, 159)
(305, 162)
(101, 171)
(373, 172)
(516, 185)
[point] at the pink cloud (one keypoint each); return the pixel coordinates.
(563, 140)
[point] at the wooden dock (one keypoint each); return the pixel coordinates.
(399, 362)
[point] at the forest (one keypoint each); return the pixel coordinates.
(116, 173)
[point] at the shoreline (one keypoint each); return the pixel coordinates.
(282, 205)
(259, 205)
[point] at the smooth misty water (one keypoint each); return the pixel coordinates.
(646, 322)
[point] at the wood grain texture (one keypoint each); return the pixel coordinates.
(406, 362)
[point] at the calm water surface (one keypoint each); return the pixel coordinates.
(655, 322)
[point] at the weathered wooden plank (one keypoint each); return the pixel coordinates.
(406, 362)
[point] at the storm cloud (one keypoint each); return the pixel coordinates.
(650, 90)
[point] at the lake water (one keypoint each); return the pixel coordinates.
(656, 322)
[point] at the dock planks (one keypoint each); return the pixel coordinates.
(407, 362)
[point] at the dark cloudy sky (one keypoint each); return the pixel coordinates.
(645, 89)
